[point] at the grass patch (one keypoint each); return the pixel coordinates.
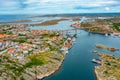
(116, 26)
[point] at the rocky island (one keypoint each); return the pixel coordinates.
(112, 49)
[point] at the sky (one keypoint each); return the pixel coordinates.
(58, 6)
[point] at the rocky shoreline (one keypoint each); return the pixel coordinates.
(53, 72)
(109, 69)
(96, 73)
(58, 66)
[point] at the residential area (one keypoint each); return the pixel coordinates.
(21, 46)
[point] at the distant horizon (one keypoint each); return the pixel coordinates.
(62, 13)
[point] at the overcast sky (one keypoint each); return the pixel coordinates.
(58, 6)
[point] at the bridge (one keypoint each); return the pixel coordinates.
(66, 32)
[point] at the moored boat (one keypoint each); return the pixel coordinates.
(98, 61)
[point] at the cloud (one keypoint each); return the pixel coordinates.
(9, 4)
(76, 4)
(58, 6)
(107, 8)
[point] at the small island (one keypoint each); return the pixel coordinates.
(112, 49)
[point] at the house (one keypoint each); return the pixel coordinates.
(11, 51)
(25, 52)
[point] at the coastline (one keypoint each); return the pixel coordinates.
(103, 71)
(53, 61)
(58, 66)
(96, 74)
(54, 71)
(102, 33)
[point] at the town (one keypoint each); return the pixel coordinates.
(37, 50)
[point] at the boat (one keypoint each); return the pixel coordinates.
(106, 34)
(64, 50)
(73, 39)
(98, 61)
(94, 51)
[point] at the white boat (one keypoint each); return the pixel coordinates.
(73, 39)
(66, 51)
(106, 34)
(98, 61)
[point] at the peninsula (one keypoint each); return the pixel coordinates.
(49, 22)
(101, 25)
(30, 54)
